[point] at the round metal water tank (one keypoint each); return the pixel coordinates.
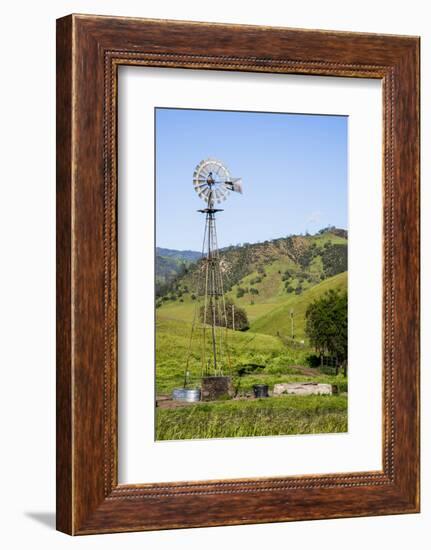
(186, 394)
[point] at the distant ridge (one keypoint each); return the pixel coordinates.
(171, 264)
(186, 255)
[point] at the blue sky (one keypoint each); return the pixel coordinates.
(293, 167)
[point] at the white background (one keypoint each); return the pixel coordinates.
(141, 458)
(27, 123)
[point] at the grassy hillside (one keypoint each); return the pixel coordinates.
(270, 313)
(278, 321)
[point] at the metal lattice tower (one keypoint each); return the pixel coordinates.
(213, 184)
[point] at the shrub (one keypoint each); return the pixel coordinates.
(313, 360)
(240, 292)
(342, 386)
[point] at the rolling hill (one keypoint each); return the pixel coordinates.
(277, 322)
(182, 255)
(269, 280)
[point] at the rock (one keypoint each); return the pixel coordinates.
(307, 388)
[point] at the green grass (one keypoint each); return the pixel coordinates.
(287, 415)
(179, 311)
(278, 319)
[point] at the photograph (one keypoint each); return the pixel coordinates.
(251, 273)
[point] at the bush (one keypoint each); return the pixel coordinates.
(342, 386)
(313, 360)
(328, 370)
(249, 368)
(240, 292)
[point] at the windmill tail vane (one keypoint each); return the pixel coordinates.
(235, 185)
(213, 184)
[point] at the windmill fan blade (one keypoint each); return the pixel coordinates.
(219, 195)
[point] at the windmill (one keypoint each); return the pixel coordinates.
(213, 184)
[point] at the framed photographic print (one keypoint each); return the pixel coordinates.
(237, 274)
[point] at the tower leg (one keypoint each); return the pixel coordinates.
(213, 334)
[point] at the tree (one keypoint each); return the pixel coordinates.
(326, 326)
(236, 316)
